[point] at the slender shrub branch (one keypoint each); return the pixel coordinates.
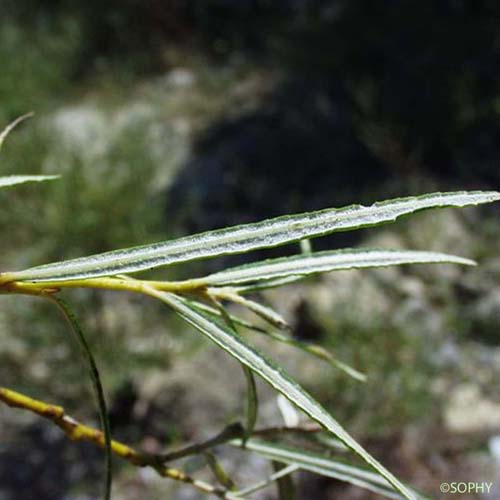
(76, 431)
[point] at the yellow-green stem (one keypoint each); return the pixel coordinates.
(127, 285)
(77, 431)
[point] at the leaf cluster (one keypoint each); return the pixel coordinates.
(202, 303)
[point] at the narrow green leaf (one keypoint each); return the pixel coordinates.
(96, 383)
(8, 129)
(238, 348)
(312, 349)
(322, 465)
(218, 471)
(252, 401)
(322, 353)
(12, 180)
(236, 320)
(326, 262)
(252, 408)
(238, 239)
(317, 351)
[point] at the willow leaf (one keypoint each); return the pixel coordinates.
(244, 238)
(236, 320)
(12, 180)
(252, 400)
(252, 405)
(312, 349)
(218, 471)
(318, 352)
(322, 353)
(322, 465)
(325, 262)
(272, 373)
(96, 384)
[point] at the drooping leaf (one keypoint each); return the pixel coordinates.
(325, 262)
(272, 373)
(13, 180)
(96, 384)
(239, 239)
(322, 465)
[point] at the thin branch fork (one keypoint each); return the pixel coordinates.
(77, 431)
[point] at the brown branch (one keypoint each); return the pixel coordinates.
(77, 431)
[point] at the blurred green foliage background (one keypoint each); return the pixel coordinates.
(166, 117)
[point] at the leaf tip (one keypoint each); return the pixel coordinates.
(6, 131)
